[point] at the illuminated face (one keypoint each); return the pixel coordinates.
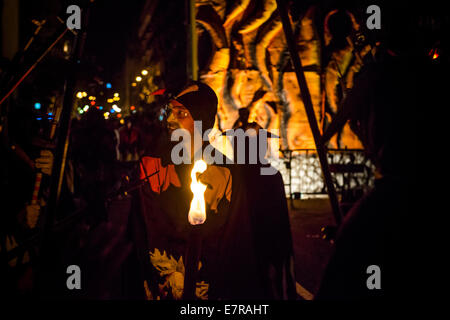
(180, 118)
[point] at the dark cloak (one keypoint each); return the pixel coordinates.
(247, 246)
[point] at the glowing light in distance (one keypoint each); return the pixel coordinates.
(116, 94)
(138, 78)
(134, 84)
(144, 72)
(116, 108)
(79, 95)
(37, 105)
(86, 108)
(108, 85)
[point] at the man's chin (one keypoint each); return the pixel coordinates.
(172, 128)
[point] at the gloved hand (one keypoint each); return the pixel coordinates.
(45, 162)
(32, 214)
(218, 181)
(201, 290)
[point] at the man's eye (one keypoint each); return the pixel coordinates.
(181, 114)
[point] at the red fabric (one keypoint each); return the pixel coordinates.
(165, 177)
(128, 136)
(158, 92)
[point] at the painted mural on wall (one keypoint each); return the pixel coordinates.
(249, 67)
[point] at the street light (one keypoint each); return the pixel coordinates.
(144, 72)
(116, 108)
(138, 78)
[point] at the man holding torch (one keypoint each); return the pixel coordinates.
(226, 249)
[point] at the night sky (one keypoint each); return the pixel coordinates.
(112, 25)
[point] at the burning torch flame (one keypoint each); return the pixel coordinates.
(197, 212)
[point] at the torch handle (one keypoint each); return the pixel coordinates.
(192, 258)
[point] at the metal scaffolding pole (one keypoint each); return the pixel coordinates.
(192, 43)
(306, 97)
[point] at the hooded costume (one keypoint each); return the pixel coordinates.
(246, 240)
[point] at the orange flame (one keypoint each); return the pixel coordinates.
(197, 212)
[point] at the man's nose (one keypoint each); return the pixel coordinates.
(171, 117)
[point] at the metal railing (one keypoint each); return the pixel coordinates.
(302, 175)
